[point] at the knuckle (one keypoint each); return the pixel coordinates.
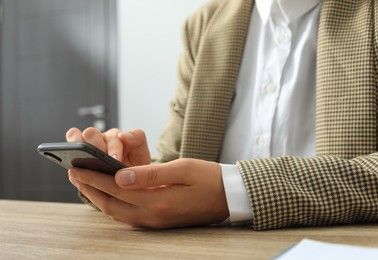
(156, 223)
(83, 178)
(152, 176)
(113, 218)
(113, 130)
(159, 215)
(160, 209)
(136, 224)
(107, 209)
(116, 218)
(140, 135)
(185, 164)
(113, 190)
(111, 133)
(183, 161)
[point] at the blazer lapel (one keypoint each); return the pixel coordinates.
(346, 80)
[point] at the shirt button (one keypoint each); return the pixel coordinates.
(283, 38)
(261, 141)
(270, 88)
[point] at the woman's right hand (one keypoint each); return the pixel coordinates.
(128, 147)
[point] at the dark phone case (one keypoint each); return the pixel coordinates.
(81, 155)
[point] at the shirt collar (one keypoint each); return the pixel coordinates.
(290, 10)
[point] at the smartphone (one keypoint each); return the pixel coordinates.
(81, 155)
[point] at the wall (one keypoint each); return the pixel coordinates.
(149, 48)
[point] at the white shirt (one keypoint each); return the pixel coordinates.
(273, 113)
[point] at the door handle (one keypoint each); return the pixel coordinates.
(96, 111)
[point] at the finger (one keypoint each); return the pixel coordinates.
(123, 211)
(100, 181)
(94, 136)
(107, 204)
(136, 143)
(115, 208)
(106, 184)
(120, 210)
(74, 135)
(155, 175)
(114, 144)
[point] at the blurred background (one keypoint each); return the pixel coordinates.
(64, 63)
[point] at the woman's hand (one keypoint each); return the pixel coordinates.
(128, 147)
(184, 192)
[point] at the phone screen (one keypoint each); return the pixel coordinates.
(81, 155)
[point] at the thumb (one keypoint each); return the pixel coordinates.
(155, 175)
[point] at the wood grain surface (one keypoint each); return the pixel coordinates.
(41, 230)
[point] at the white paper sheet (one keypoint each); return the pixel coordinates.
(311, 249)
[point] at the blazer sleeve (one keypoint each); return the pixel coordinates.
(376, 34)
(317, 191)
(169, 142)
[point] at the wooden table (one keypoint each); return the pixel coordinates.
(41, 230)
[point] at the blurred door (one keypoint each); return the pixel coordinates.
(58, 60)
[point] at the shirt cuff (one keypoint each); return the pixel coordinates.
(237, 196)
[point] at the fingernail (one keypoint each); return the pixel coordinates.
(73, 182)
(126, 178)
(115, 157)
(72, 174)
(130, 136)
(73, 137)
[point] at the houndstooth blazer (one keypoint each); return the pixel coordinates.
(340, 184)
